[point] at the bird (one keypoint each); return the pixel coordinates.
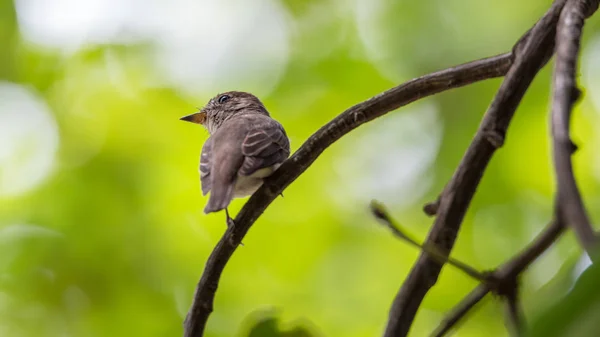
(245, 146)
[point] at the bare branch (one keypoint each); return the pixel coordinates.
(531, 53)
(461, 310)
(380, 213)
(513, 310)
(508, 288)
(565, 94)
(350, 119)
(508, 271)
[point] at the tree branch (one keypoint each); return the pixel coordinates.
(503, 281)
(531, 53)
(381, 214)
(514, 314)
(508, 271)
(461, 310)
(350, 119)
(565, 95)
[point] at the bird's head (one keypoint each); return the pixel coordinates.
(225, 106)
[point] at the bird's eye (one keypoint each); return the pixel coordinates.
(223, 98)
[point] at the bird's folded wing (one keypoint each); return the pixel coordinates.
(205, 165)
(264, 147)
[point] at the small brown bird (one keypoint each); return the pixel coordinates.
(245, 146)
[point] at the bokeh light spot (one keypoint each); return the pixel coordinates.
(200, 45)
(390, 159)
(28, 140)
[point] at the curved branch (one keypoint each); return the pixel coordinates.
(350, 119)
(531, 53)
(565, 95)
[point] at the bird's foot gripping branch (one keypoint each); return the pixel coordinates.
(558, 30)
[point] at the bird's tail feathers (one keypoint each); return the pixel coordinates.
(220, 197)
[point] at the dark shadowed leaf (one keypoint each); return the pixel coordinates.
(267, 325)
(577, 314)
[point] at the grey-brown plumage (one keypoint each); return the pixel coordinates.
(245, 146)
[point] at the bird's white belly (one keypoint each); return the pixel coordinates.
(246, 185)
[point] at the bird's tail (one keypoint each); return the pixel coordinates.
(220, 197)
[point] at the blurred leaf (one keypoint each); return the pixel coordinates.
(577, 314)
(268, 326)
(16, 241)
(265, 328)
(125, 199)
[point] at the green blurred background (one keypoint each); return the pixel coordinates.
(101, 224)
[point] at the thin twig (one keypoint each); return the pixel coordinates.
(380, 213)
(350, 119)
(461, 310)
(565, 94)
(508, 288)
(514, 314)
(529, 58)
(508, 271)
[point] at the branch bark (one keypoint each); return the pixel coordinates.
(514, 316)
(202, 305)
(381, 214)
(565, 94)
(502, 281)
(531, 53)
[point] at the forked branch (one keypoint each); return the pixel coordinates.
(506, 272)
(503, 281)
(532, 52)
(565, 95)
(529, 55)
(347, 121)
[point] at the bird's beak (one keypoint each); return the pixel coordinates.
(198, 117)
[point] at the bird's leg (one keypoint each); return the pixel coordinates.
(230, 222)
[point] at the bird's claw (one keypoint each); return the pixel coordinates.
(231, 225)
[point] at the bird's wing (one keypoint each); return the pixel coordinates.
(264, 146)
(205, 165)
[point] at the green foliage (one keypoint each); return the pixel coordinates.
(575, 315)
(110, 239)
(268, 326)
